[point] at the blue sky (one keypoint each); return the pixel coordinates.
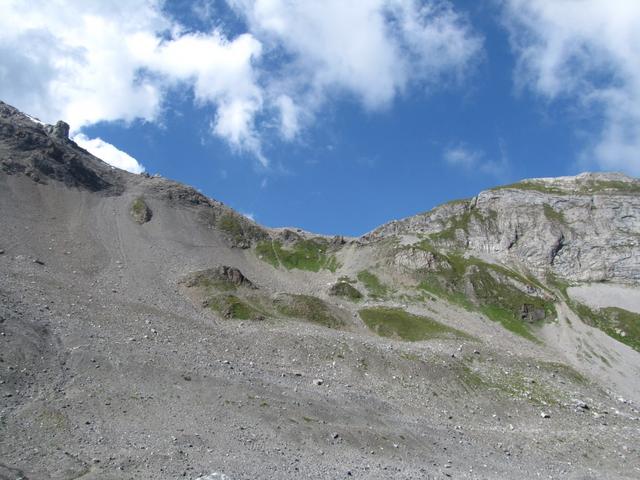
(341, 118)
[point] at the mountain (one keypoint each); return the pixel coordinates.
(147, 331)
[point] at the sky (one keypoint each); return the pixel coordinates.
(334, 116)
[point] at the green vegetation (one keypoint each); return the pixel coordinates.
(230, 306)
(553, 215)
(308, 308)
(231, 225)
(493, 288)
(304, 254)
(396, 323)
(565, 371)
(597, 186)
(266, 251)
(620, 324)
(459, 222)
(373, 284)
(462, 222)
(238, 229)
(510, 384)
(210, 280)
(140, 211)
(249, 303)
(589, 187)
(534, 186)
(558, 285)
(345, 290)
(509, 321)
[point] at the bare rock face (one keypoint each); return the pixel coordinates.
(44, 152)
(583, 228)
(234, 276)
(221, 275)
(60, 130)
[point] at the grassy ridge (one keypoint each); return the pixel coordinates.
(310, 255)
(493, 288)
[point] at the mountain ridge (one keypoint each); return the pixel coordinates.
(151, 332)
(587, 186)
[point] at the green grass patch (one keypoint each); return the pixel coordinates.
(396, 323)
(372, 283)
(462, 222)
(558, 285)
(309, 308)
(494, 291)
(553, 215)
(589, 187)
(308, 254)
(459, 222)
(239, 230)
(511, 385)
(266, 252)
(619, 324)
(507, 319)
(230, 224)
(210, 281)
(230, 306)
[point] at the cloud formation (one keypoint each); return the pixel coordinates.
(108, 153)
(370, 49)
(588, 52)
(89, 62)
(462, 157)
(474, 160)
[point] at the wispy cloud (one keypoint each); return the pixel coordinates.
(462, 157)
(472, 160)
(587, 52)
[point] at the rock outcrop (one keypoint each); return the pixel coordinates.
(583, 228)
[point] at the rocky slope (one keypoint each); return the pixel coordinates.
(583, 228)
(147, 331)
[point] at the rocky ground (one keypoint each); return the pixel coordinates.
(110, 367)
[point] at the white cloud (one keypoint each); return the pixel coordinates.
(473, 160)
(372, 49)
(250, 216)
(587, 51)
(110, 154)
(289, 117)
(462, 157)
(87, 62)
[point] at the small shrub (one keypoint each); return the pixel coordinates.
(140, 211)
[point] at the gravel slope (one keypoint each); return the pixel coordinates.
(109, 372)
